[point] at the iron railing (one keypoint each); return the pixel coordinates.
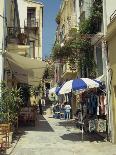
(31, 23)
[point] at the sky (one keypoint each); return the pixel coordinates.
(51, 8)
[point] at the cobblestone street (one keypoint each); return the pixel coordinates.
(59, 137)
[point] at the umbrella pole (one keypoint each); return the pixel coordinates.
(82, 131)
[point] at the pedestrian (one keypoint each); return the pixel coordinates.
(43, 104)
(40, 108)
(67, 110)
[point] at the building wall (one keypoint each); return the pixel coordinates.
(10, 16)
(85, 6)
(111, 41)
(112, 60)
(110, 8)
(1, 39)
(22, 6)
(68, 16)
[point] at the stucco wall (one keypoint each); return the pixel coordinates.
(112, 60)
(110, 8)
(68, 18)
(1, 39)
(22, 8)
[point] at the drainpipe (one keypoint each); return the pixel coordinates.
(2, 44)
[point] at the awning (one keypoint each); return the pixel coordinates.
(26, 70)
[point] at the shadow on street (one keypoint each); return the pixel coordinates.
(91, 137)
(69, 123)
(40, 125)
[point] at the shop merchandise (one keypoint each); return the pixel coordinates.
(93, 111)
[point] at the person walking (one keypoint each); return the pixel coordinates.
(67, 110)
(40, 108)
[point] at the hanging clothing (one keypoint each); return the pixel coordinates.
(92, 104)
(102, 104)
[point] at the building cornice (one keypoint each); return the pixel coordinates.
(33, 1)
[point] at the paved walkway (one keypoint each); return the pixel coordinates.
(59, 137)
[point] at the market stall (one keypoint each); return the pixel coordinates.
(92, 111)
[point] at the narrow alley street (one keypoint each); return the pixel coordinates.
(59, 137)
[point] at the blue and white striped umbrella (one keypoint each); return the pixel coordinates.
(78, 84)
(53, 90)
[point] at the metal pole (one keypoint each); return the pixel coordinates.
(2, 2)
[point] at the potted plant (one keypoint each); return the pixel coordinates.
(10, 104)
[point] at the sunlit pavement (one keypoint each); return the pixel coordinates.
(59, 137)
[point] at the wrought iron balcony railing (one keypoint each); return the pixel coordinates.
(31, 23)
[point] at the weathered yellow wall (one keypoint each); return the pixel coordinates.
(112, 60)
(67, 11)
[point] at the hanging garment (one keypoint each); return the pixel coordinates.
(101, 125)
(102, 104)
(98, 106)
(92, 125)
(94, 103)
(106, 106)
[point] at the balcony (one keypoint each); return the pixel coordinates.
(69, 72)
(31, 23)
(17, 35)
(18, 41)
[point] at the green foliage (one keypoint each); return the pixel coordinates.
(78, 46)
(58, 18)
(56, 51)
(73, 32)
(85, 27)
(10, 103)
(49, 72)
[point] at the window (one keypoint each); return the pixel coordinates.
(81, 3)
(31, 17)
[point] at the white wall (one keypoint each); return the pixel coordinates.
(77, 11)
(110, 8)
(22, 8)
(1, 39)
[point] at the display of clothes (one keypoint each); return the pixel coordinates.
(94, 110)
(92, 125)
(102, 101)
(92, 104)
(98, 125)
(101, 127)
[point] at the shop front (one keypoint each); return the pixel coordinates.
(92, 111)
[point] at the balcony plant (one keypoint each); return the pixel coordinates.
(10, 104)
(22, 38)
(58, 18)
